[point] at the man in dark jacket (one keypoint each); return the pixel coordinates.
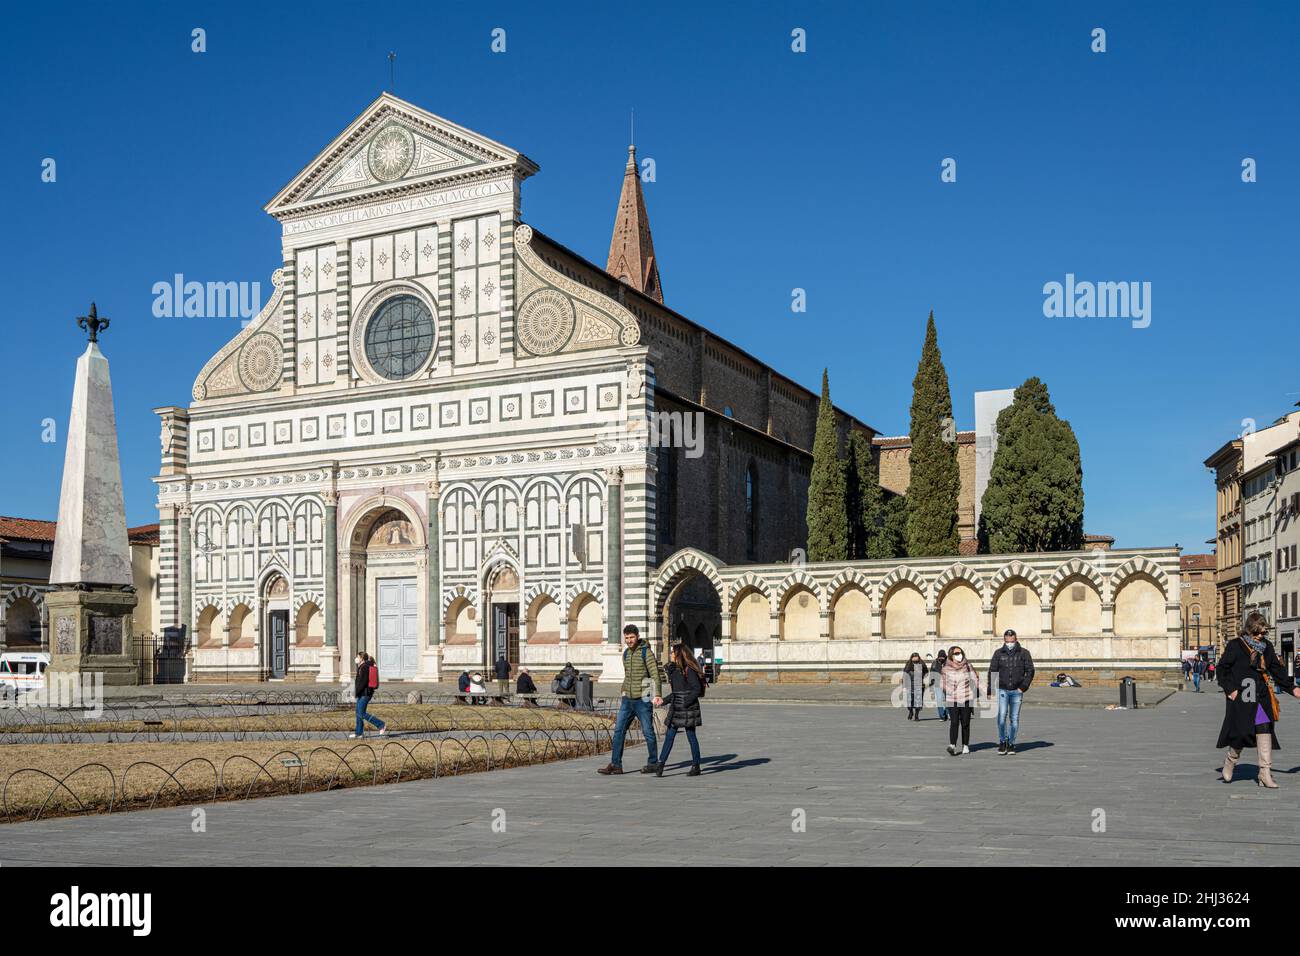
(524, 685)
(1014, 669)
(502, 670)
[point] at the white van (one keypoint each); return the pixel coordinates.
(23, 671)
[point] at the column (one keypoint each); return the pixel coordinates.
(185, 565)
(434, 584)
(614, 556)
(331, 571)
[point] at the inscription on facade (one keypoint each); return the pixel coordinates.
(105, 636)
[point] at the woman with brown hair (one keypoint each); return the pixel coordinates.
(960, 685)
(687, 682)
(1247, 671)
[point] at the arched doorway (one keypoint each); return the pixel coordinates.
(384, 592)
(501, 598)
(692, 613)
(275, 607)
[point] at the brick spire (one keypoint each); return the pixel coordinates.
(631, 250)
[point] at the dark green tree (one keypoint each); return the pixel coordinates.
(936, 480)
(828, 517)
(866, 501)
(1034, 498)
(892, 541)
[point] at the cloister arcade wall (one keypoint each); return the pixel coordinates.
(1099, 615)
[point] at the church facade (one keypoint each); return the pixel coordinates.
(434, 443)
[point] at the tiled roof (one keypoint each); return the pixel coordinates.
(31, 529)
(1099, 537)
(905, 441)
(26, 529)
(1196, 562)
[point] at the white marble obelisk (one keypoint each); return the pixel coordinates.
(93, 595)
(91, 545)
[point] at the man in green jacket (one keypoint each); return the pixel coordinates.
(641, 670)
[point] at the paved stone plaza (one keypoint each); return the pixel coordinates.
(875, 789)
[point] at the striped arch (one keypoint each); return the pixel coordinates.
(470, 594)
(849, 577)
(898, 576)
(960, 572)
(536, 590)
(307, 597)
(25, 591)
(1016, 569)
(594, 588)
(800, 578)
(1077, 568)
(744, 583)
(678, 568)
(201, 604)
(1140, 565)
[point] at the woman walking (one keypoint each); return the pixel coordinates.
(915, 671)
(960, 687)
(936, 678)
(687, 682)
(1247, 672)
(365, 689)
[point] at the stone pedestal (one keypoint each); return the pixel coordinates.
(329, 666)
(90, 632)
(611, 664)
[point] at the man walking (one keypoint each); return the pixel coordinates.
(640, 670)
(1014, 669)
(1198, 669)
(502, 670)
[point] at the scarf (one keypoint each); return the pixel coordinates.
(1255, 647)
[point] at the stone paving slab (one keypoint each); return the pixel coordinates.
(873, 787)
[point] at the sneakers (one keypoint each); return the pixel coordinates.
(952, 750)
(610, 770)
(355, 736)
(965, 749)
(383, 731)
(1002, 747)
(659, 770)
(652, 768)
(1011, 749)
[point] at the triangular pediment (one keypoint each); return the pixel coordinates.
(394, 147)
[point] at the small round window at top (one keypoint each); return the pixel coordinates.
(400, 337)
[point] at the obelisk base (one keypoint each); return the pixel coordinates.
(90, 632)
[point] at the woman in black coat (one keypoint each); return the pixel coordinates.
(914, 672)
(1247, 672)
(687, 682)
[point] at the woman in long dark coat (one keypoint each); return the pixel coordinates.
(1247, 671)
(914, 672)
(687, 681)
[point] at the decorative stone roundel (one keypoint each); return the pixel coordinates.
(391, 153)
(545, 321)
(259, 362)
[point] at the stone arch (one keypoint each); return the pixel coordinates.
(1016, 569)
(903, 607)
(799, 578)
(541, 587)
(689, 584)
(902, 574)
(24, 627)
(682, 565)
(205, 634)
(1077, 568)
(586, 618)
(1139, 606)
(543, 617)
(241, 624)
(1076, 605)
(459, 619)
(1135, 566)
(308, 624)
(959, 572)
(1021, 612)
(303, 597)
(800, 612)
(750, 608)
(849, 602)
(362, 516)
(959, 609)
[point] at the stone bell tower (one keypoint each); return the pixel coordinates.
(93, 596)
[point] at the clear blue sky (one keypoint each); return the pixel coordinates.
(774, 171)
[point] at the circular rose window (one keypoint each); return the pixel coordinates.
(400, 337)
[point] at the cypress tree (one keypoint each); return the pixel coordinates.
(828, 518)
(892, 541)
(936, 480)
(1034, 499)
(866, 502)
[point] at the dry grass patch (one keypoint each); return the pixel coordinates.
(61, 779)
(400, 718)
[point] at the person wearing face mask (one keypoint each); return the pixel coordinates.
(960, 685)
(1014, 668)
(936, 678)
(914, 672)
